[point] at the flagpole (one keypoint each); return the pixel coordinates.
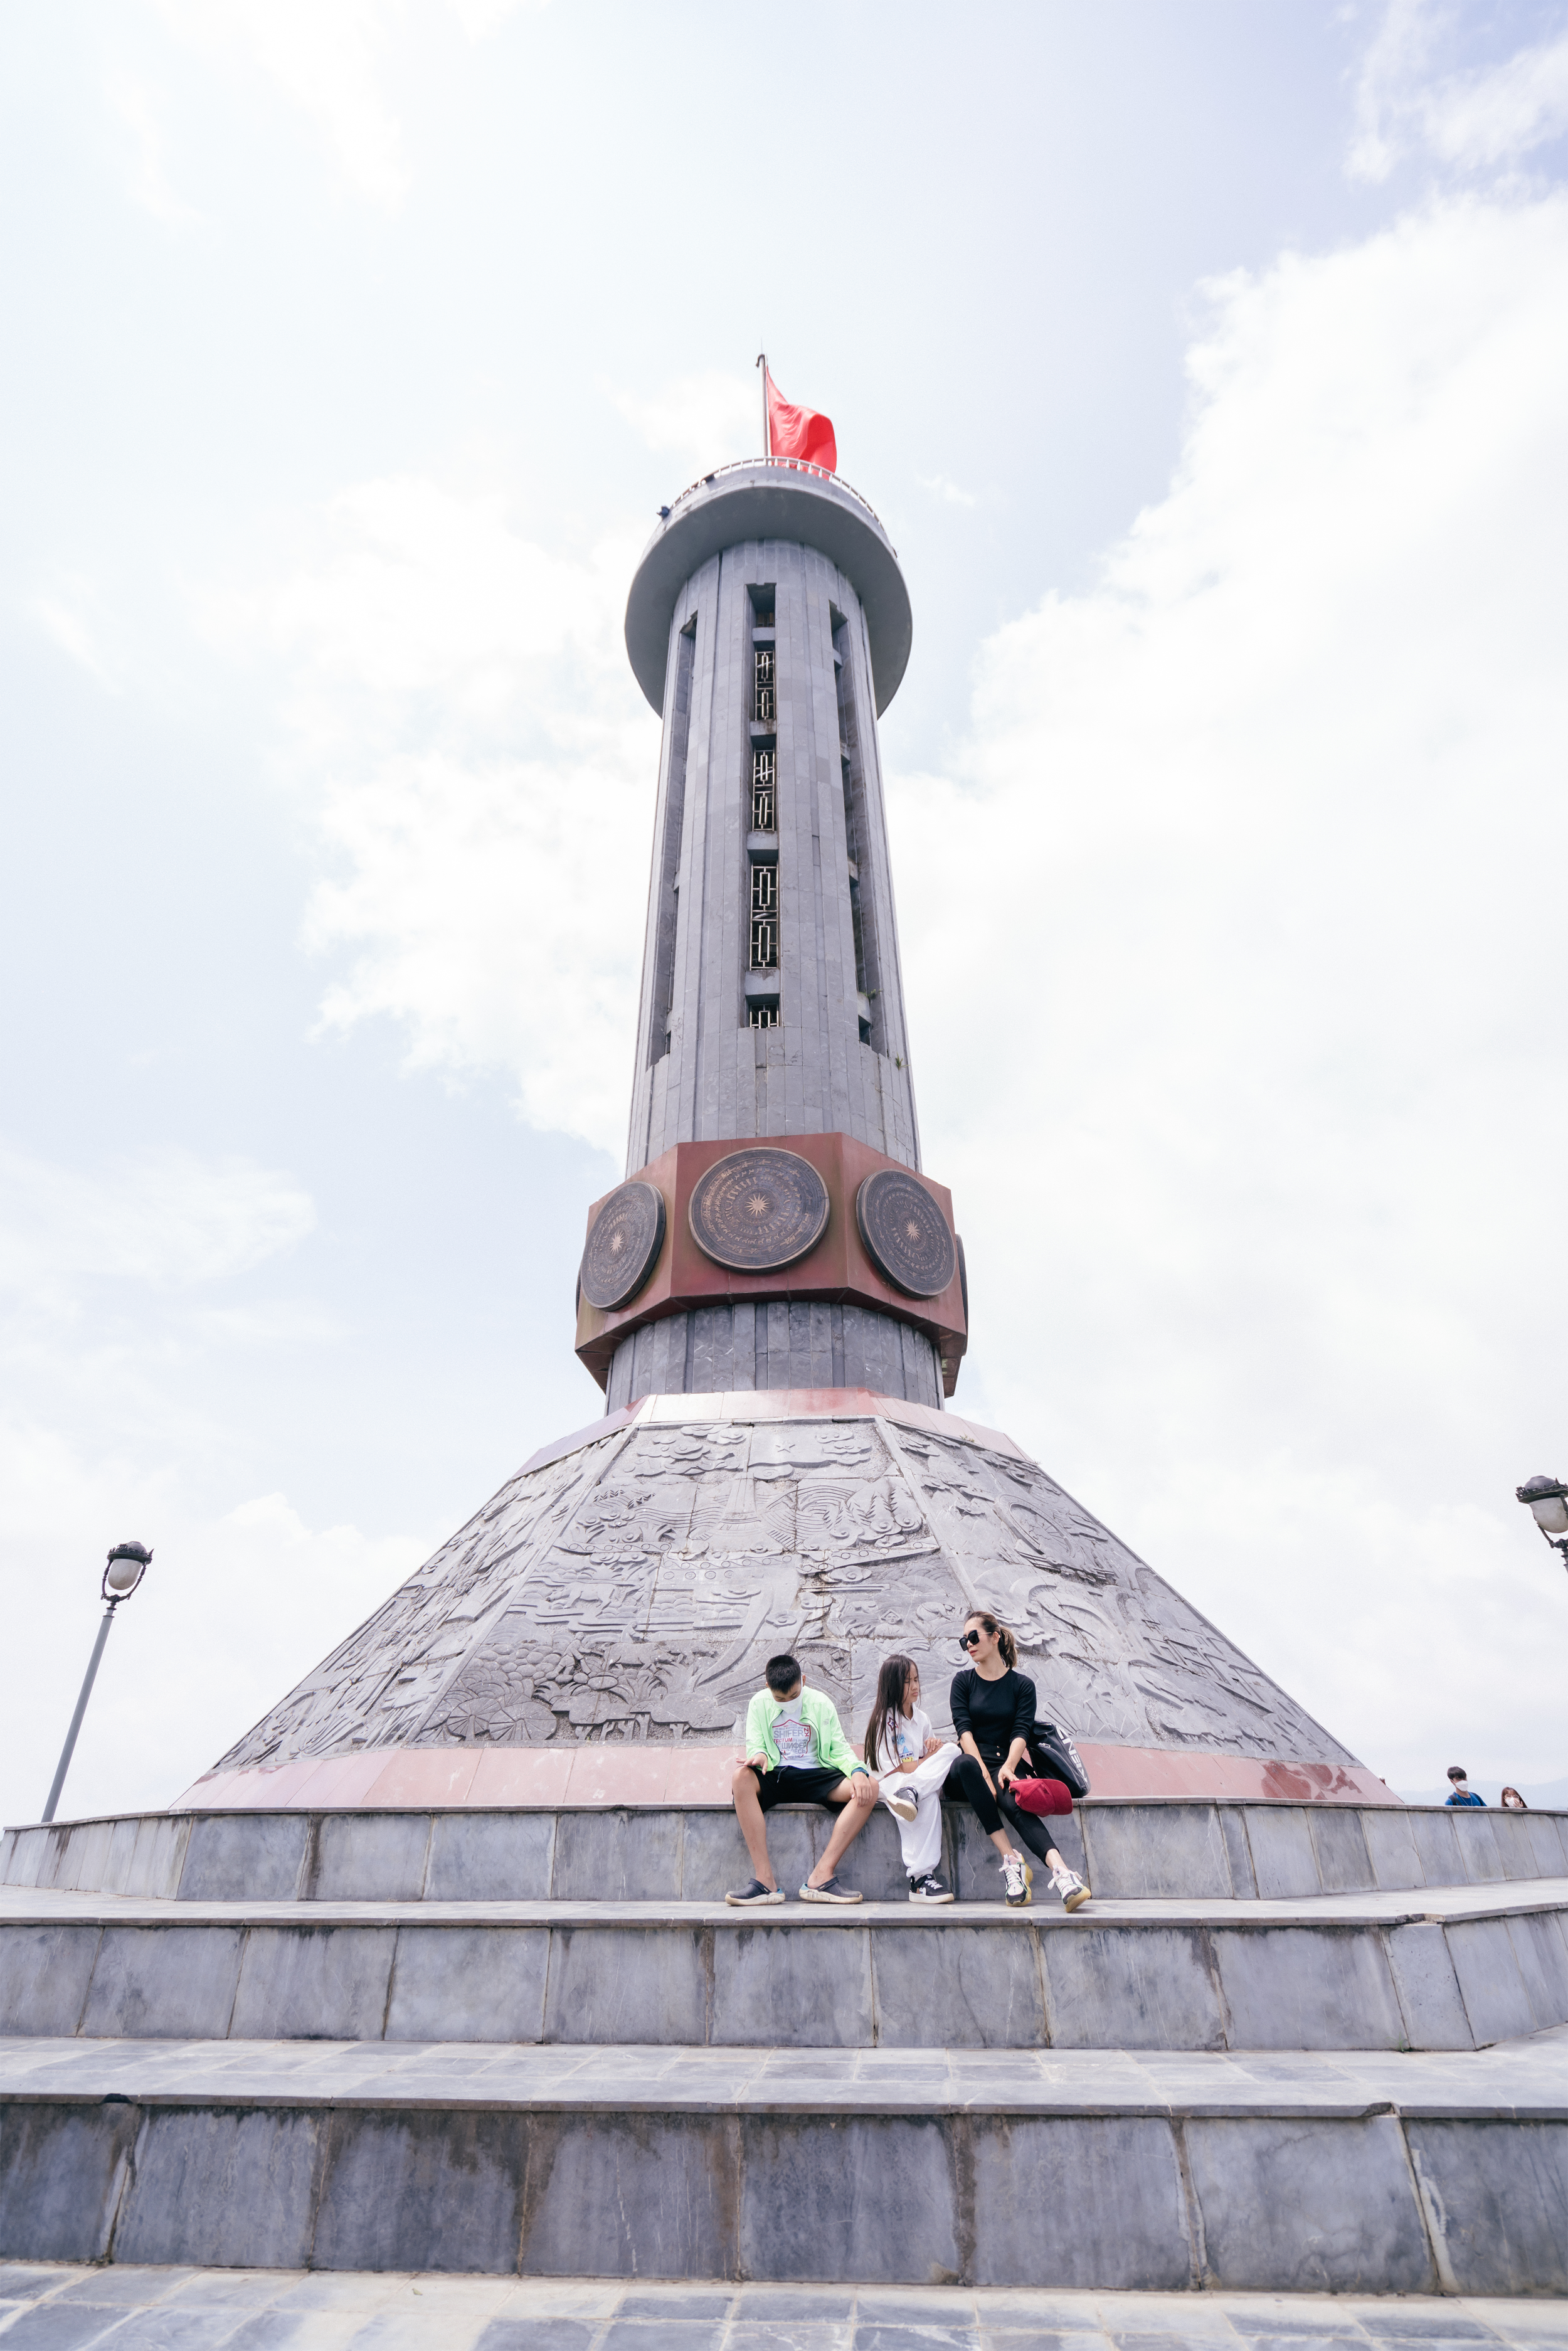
(767, 428)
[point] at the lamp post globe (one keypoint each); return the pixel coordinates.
(129, 1562)
(126, 1565)
(1546, 1498)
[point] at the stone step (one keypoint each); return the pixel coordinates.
(1341, 2173)
(1128, 1850)
(1460, 1969)
(420, 2310)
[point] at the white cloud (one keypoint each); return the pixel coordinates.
(1473, 121)
(330, 58)
(58, 613)
(948, 492)
(164, 1217)
(480, 770)
(322, 55)
(1255, 1105)
(480, 18)
(149, 183)
(704, 420)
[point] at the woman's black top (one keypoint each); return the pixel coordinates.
(995, 1713)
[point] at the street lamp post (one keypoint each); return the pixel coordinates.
(128, 1563)
(1548, 1501)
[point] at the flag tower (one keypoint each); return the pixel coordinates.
(774, 1299)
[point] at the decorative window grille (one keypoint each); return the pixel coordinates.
(764, 802)
(763, 1015)
(767, 697)
(765, 918)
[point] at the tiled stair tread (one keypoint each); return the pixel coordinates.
(435, 2311)
(31, 1906)
(1520, 2080)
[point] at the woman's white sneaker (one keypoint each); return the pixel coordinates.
(1017, 1879)
(901, 1801)
(1071, 1887)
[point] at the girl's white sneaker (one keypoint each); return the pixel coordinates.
(1017, 1879)
(1071, 1887)
(901, 1801)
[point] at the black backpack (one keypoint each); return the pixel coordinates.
(1054, 1757)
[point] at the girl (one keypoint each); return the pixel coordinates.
(993, 1713)
(911, 1765)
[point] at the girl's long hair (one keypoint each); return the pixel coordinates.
(1005, 1641)
(892, 1680)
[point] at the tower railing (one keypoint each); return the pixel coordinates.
(787, 466)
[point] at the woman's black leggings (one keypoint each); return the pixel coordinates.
(991, 1811)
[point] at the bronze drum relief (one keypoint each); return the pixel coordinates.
(904, 1233)
(758, 1211)
(623, 1246)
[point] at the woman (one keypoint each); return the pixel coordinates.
(993, 1714)
(911, 1763)
(1513, 1802)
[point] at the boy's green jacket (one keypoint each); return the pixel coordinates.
(815, 1709)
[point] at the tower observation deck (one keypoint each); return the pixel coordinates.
(769, 624)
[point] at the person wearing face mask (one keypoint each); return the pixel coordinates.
(796, 1753)
(1461, 1793)
(993, 1713)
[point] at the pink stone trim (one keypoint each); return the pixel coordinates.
(426, 1778)
(633, 1776)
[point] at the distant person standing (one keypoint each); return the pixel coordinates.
(1461, 1793)
(1513, 1802)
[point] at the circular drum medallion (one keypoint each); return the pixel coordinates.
(906, 1233)
(758, 1211)
(623, 1246)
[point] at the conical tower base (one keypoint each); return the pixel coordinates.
(606, 1617)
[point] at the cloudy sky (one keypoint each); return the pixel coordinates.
(1210, 368)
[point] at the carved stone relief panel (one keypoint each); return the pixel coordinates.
(634, 1591)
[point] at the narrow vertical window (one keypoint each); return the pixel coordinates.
(761, 880)
(669, 898)
(857, 844)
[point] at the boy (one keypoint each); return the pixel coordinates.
(796, 1753)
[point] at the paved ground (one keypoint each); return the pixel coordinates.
(45, 2307)
(31, 1906)
(1515, 2078)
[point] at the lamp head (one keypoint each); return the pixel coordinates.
(128, 1563)
(1548, 1500)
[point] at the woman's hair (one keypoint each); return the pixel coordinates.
(892, 1680)
(1005, 1641)
(1518, 1799)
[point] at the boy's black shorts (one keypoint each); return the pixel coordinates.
(798, 1783)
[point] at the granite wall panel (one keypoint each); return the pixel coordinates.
(62, 2173)
(1255, 2178)
(234, 2190)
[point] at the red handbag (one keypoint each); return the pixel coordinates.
(1042, 1796)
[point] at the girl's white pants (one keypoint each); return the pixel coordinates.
(921, 1838)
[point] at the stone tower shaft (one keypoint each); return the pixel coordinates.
(769, 624)
(772, 999)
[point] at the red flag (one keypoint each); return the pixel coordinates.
(798, 432)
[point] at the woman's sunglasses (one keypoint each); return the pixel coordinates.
(970, 1640)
